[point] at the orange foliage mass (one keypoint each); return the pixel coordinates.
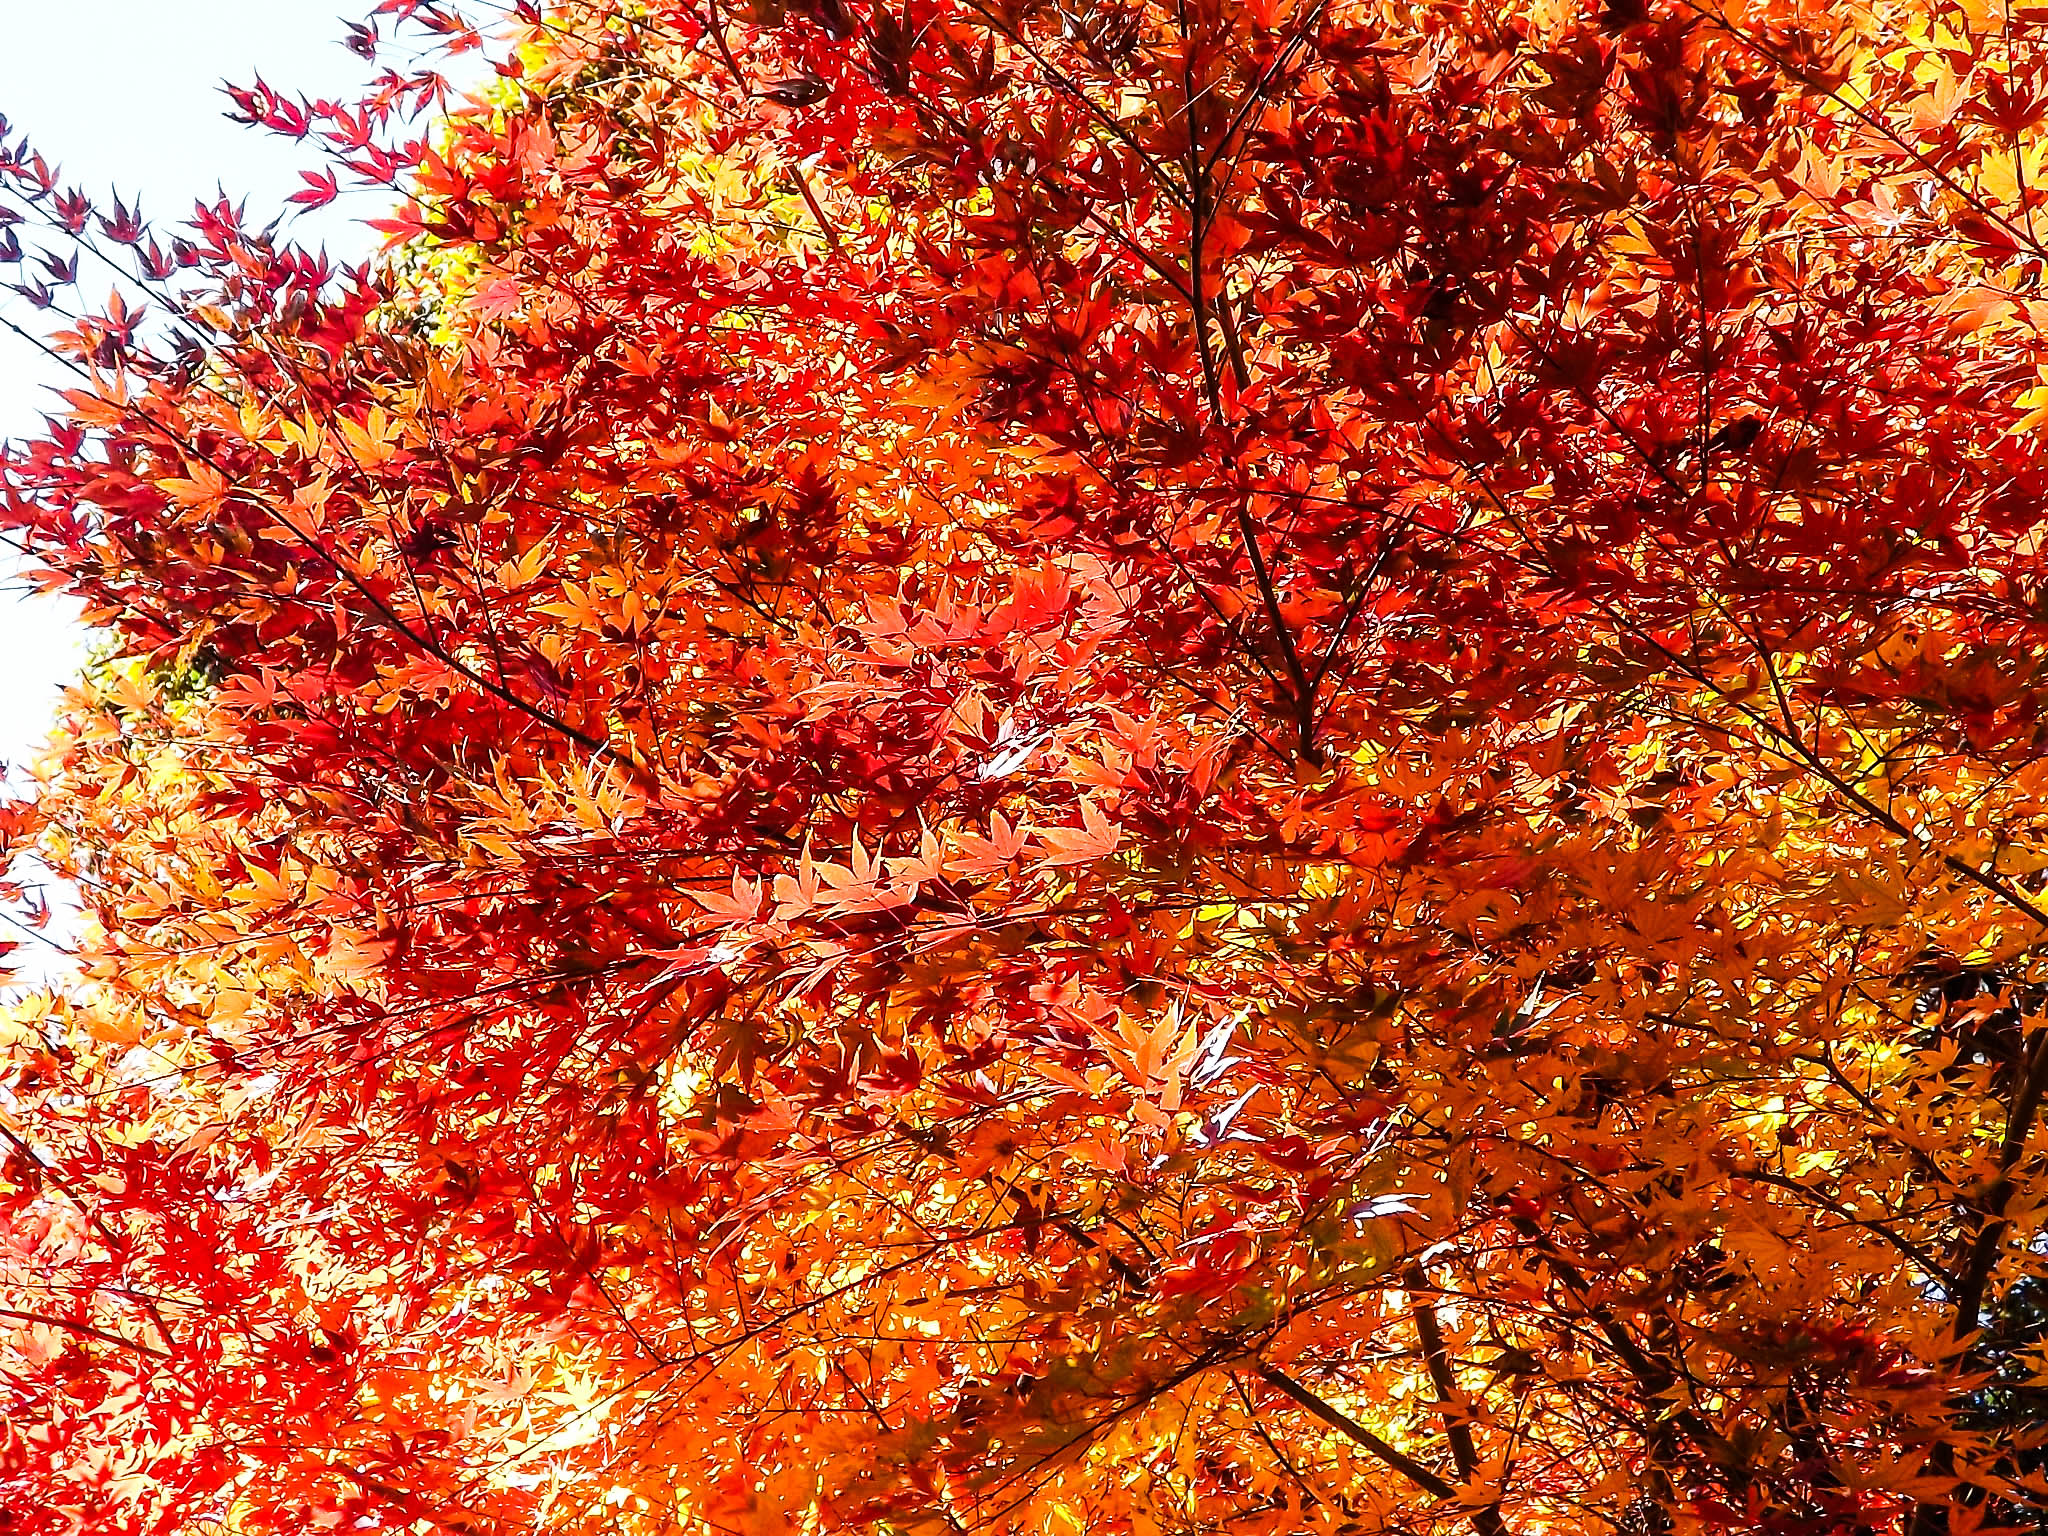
(1245, 765)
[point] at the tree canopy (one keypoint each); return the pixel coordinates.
(1077, 766)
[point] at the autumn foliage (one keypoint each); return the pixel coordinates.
(1075, 766)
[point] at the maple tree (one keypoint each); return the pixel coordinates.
(1116, 767)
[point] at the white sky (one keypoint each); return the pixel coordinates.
(125, 94)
